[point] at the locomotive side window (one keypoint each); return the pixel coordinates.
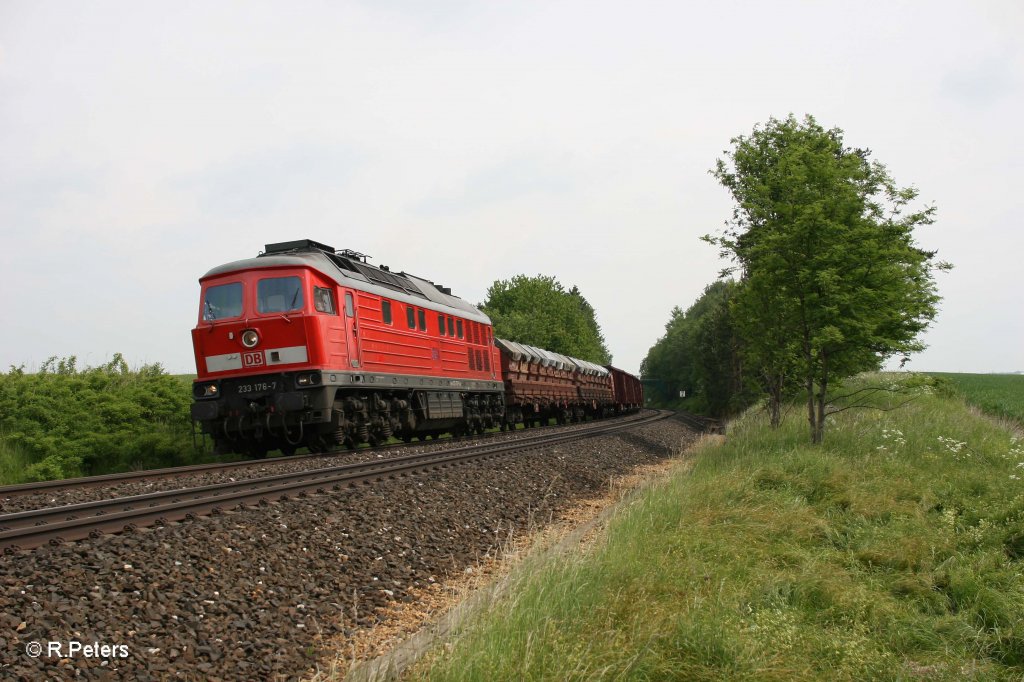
(385, 311)
(279, 295)
(410, 316)
(323, 300)
(222, 301)
(451, 327)
(458, 325)
(440, 325)
(423, 320)
(350, 309)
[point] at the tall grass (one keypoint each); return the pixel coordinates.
(14, 462)
(894, 551)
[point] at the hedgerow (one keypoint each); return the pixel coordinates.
(64, 421)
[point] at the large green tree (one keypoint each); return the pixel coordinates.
(539, 311)
(832, 282)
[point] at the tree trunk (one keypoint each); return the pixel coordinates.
(811, 416)
(775, 401)
(809, 374)
(819, 433)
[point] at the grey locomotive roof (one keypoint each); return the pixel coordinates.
(415, 290)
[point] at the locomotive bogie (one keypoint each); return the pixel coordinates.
(321, 410)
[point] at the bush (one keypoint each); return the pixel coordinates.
(66, 422)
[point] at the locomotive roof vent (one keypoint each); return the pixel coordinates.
(297, 245)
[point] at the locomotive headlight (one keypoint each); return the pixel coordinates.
(302, 380)
(204, 390)
(250, 338)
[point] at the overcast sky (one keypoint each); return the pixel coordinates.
(143, 143)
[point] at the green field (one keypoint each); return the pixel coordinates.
(895, 551)
(1001, 395)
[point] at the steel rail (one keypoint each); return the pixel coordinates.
(30, 529)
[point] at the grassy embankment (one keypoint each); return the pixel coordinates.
(896, 551)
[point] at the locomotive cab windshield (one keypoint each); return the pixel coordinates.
(273, 296)
(222, 301)
(279, 295)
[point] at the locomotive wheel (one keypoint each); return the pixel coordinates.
(288, 449)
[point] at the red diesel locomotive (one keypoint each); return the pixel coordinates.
(308, 346)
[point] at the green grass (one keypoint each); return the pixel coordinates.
(1001, 395)
(892, 552)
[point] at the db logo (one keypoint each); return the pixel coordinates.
(252, 359)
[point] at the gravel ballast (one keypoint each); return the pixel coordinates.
(257, 594)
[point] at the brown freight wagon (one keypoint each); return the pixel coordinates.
(627, 389)
(541, 385)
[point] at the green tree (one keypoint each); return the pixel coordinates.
(763, 318)
(700, 354)
(540, 312)
(832, 282)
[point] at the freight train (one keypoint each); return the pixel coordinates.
(309, 346)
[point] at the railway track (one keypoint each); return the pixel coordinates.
(700, 423)
(30, 529)
(39, 487)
